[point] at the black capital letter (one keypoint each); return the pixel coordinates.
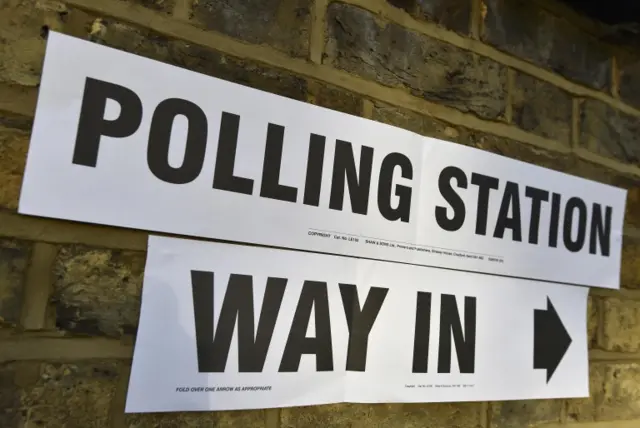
(236, 306)
(223, 177)
(422, 332)
(510, 199)
(573, 204)
(600, 230)
(450, 323)
(402, 211)
(360, 322)
(160, 138)
(92, 125)
(344, 169)
(485, 183)
(315, 162)
(554, 220)
(271, 188)
(314, 296)
(450, 195)
(537, 197)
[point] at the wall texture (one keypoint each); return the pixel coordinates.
(525, 79)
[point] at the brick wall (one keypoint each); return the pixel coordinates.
(525, 79)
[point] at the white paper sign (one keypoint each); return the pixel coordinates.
(126, 141)
(227, 327)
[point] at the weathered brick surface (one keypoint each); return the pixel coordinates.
(522, 28)
(244, 72)
(459, 415)
(526, 413)
(431, 69)
(195, 58)
(621, 393)
(420, 124)
(71, 395)
(236, 419)
(515, 150)
(630, 270)
(165, 6)
(11, 414)
(15, 121)
(629, 78)
(592, 321)
(541, 108)
(452, 14)
(13, 155)
(283, 24)
(585, 409)
(337, 99)
(14, 259)
(609, 132)
(22, 45)
(622, 325)
(97, 291)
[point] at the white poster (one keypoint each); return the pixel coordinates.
(126, 141)
(226, 327)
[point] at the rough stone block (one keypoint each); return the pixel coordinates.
(621, 393)
(15, 121)
(71, 395)
(522, 28)
(336, 99)
(632, 216)
(97, 291)
(10, 405)
(592, 321)
(23, 28)
(24, 25)
(459, 415)
(621, 325)
(629, 79)
(57, 395)
(193, 57)
(13, 155)
(236, 419)
(542, 108)
(244, 72)
(526, 413)
(516, 150)
(165, 6)
(451, 14)
(609, 132)
(630, 270)
(392, 55)
(14, 259)
(283, 24)
(584, 409)
(420, 124)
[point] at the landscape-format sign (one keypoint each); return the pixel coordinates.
(122, 140)
(227, 327)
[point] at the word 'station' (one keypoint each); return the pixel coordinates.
(190, 154)
(258, 328)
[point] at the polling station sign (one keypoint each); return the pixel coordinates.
(227, 327)
(126, 141)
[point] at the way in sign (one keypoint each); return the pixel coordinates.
(320, 329)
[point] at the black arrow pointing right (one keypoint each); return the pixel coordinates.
(550, 339)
